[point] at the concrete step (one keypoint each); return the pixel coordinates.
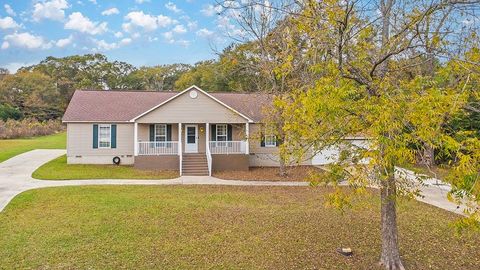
(195, 171)
(194, 161)
(194, 164)
(200, 164)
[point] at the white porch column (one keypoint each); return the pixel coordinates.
(207, 135)
(135, 139)
(247, 134)
(180, 147)
(179, 139)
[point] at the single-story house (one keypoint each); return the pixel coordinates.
(192, 131)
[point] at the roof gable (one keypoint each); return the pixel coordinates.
(192, 106)
(184, 92)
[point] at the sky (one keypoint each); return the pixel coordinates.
(139, 32)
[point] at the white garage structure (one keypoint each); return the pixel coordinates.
(330, 154)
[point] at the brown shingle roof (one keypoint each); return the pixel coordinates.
(122, 106)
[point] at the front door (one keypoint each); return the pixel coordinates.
(191, 139)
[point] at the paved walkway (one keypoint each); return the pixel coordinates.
(15, 177)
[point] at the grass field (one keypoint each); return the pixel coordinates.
(11, 148)
(58, 169)
(205, 227)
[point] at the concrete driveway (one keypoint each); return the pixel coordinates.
(15, 177)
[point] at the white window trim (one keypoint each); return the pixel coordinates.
(226, 132)
(274, 141)
(155, 133)
(109, 137)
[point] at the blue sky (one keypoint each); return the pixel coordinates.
(140, 32)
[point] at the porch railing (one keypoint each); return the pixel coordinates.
(228, 147)
(157, 148)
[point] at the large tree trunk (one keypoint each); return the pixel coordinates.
(390, 256)
(428, 155)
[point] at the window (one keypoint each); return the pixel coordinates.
(270, 141)
(222, 133)
(104, 136)
(160, 133)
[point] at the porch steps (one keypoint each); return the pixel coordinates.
(194, 164)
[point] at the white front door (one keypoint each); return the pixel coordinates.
(191, 139)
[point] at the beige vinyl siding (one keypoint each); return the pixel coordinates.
(264, 156)
(255, 141)
(80, 143)
(184, 109)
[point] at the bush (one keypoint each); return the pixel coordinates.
(28, 127)
(9, 112)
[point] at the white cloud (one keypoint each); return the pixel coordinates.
(183, 43)
(110, 11)
(27, 40)
(228, 28)
(172, 7)
(9, 10)
(118, 34)
(192, 25)
(164, 21)
(140, 19)
(5, 45)
(61, 43)
(102, 45)
(141, 1)
(125, 41)
(204, 32)
(179, 29)
(76, 21)
(211, 10)
(145, 21)
(53, 10)
(8, 23)
(169, 37)
(93, 2)
(152, 39)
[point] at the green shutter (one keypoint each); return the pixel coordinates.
(113, 136)
(213, 137)
(169, 132)
(229, 132)
(262, 140)
(95, 136)
(152, 133)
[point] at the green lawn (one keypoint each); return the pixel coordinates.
(200, 227)
(58, 169)
(11, 148)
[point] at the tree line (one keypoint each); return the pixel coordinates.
(42, 91)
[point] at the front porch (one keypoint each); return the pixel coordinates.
(225, 146)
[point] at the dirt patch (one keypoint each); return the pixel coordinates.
(295, 174)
